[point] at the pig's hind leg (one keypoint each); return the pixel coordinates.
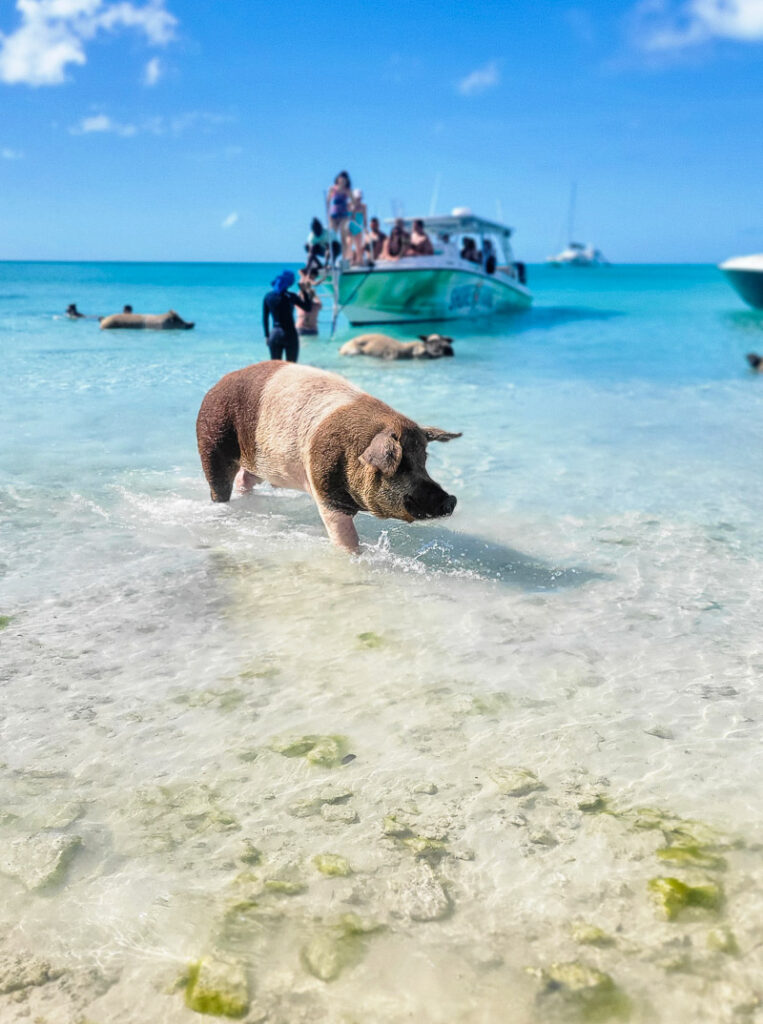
(220, 460)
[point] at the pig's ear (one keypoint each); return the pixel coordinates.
(384, 452)
(435, 434)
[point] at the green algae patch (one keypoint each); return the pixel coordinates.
(692, 857)
(218, 988)
(589, 935)
(328, 751)
(424, 848)
(370, 640)
(332, 864)
(293, 746)
(249, 853)
(576, 992)
(673, 897)
(5, 621)
(516, 781)
(722, 940)
(284, 887)
(335, 947)
(323, 751)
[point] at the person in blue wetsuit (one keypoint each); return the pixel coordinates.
(279, 304)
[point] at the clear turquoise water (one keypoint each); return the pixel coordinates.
(590, 613)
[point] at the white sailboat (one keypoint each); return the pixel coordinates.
(576, 254)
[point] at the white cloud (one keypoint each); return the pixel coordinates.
(199, 120)
(53, 34)
(230, 220)
(667, 26)
(480, 80)
(152, 71)
(10, 154)
(103, 123)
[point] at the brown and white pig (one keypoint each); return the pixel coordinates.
(170, 321)
(306, 429)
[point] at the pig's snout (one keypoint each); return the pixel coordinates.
(430, 502)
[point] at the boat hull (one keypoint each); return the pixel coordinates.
(408, 295)
(748, 284)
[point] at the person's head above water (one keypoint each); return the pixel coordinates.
(127, 309)
(284, 281)
(72, 308)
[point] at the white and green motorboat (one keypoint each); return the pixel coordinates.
(442, 286)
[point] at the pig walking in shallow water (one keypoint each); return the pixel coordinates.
(299, 427)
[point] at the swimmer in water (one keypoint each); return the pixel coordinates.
(73, 313)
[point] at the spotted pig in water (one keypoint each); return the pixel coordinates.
(302, 428)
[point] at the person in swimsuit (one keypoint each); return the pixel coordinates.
(356, 226)
(375, 240)
(73, 313)
(421, 243)
(338, 208)
(307, 319)
(316, 246)
(279, 304)
(398, 241)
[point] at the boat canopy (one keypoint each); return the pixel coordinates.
(455, 224)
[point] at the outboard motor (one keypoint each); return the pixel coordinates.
(521, 270)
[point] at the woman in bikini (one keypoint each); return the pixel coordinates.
(338, 208)
(356, 227)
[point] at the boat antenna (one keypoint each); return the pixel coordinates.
(435, 194)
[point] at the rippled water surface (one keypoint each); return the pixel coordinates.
(530, 734)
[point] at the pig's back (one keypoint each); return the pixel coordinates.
(290, 402)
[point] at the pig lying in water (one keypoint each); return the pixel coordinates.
(302, 428)
(159, 322)
(429, 346)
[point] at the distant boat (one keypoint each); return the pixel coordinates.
(745, 275)
(442, 286)
(576, 254)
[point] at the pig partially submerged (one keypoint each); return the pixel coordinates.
(302, 428)
(169, 321)
(382, 346)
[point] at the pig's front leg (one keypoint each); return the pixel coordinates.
(341, 529)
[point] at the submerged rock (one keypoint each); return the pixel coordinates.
(424, 848)
(20, 972)
(39, 861)
(673, 897)
(339, 812)
(420, 896)
(516, 781)
(337, 946)
(328, 751)
(217, 987)
(576, 992)
(692, 857)
(589, 935)
(332, 864)
(293, 746)
(722, 940)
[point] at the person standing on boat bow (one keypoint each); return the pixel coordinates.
(279, 304)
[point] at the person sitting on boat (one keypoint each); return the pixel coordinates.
(488, 257)
(375, 239)
(420, 243)
(469, 250)
(279, 304)
(398, 241)
(356, 226)
(316, 245)
(338, 208)
(307, 319)
(73, 313)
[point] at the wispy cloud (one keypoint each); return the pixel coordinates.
(153, 71)
(10, 154)
(104, 124)
(53, 35)
(230, 220)
(202, 121)
(480, 80)
(663, 25)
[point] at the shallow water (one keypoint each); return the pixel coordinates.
(590, 614)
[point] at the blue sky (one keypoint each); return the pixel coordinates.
(208, 129)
